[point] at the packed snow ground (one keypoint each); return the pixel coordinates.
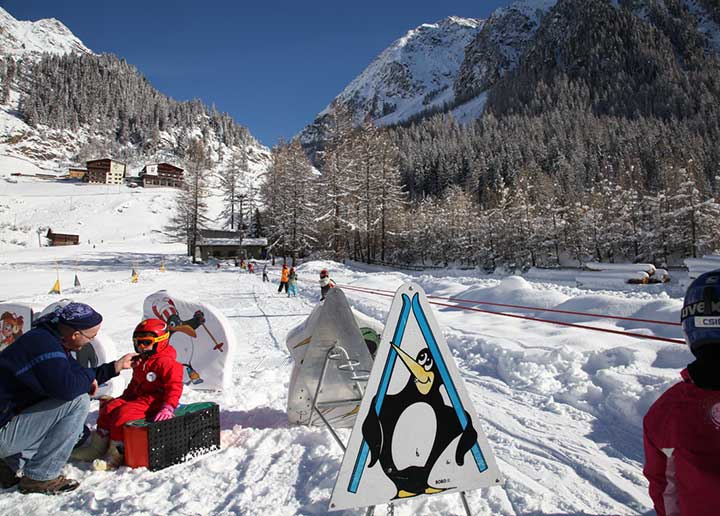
(562, 407)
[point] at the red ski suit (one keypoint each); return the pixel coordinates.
(681, 433)
(155, 381)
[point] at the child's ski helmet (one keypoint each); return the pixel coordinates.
(151, 336)
(701, 311)
(324, 273)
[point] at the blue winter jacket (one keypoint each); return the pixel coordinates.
(37, 367)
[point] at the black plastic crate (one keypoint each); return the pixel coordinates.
(195, 430)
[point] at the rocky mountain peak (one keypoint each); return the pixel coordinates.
(32, 39)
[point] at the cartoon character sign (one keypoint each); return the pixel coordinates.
(201, 336)
(15, 320)
(417, 433)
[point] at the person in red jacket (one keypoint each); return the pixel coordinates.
(681, 431)
(153, 393)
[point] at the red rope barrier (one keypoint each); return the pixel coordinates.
(534, 309)
(386, 293)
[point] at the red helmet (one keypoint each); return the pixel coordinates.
(151, 336)
(324, 273)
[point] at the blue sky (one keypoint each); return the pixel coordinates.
(272, 65)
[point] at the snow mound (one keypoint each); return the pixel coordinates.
(514, 290)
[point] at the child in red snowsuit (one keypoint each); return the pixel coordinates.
(153, 392)
(681, 431)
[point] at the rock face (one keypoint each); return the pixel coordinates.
(499, 46)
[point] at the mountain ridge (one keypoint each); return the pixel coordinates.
(501, 43)
(45, 118)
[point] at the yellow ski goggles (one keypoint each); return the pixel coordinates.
(146, 342)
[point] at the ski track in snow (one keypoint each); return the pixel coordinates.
(562, 407)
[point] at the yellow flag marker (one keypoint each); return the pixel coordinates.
(56, 286)
(162, 264)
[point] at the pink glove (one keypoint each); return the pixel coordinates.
(166, 412)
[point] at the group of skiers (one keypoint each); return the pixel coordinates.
(249, 266)
(289, 277)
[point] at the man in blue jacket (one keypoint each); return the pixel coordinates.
(44, 398)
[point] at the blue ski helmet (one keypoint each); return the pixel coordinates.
(701, 311)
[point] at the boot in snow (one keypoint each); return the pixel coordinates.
(114, 458)
(95, 448)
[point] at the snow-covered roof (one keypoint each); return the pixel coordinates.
(245, 242)
(220, 242)
(254, 241)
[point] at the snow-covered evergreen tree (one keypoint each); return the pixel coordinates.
(191, 201)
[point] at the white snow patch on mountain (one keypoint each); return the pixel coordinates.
(470, 110)
(30, 39)
(414, 74)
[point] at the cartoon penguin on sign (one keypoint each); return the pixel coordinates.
(168, 313)
(421, 395)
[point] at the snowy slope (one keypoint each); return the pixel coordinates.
(562, 407)
(418, 75)
(415, 73)
(128, 214)
(439, 64)
(22, 144)
(30, 39)
(412, 75)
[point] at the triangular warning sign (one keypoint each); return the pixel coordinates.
(56, 288)
(417, 432)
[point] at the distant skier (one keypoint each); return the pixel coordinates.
(681, 431)
(283, 279)
(325, 284)
(265, 276)
(251, 267)
(292, 283)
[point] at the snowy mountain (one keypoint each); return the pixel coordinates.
(48, 123)
(499, 46)
(453, 65)
(413, 75)
(28, 39)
